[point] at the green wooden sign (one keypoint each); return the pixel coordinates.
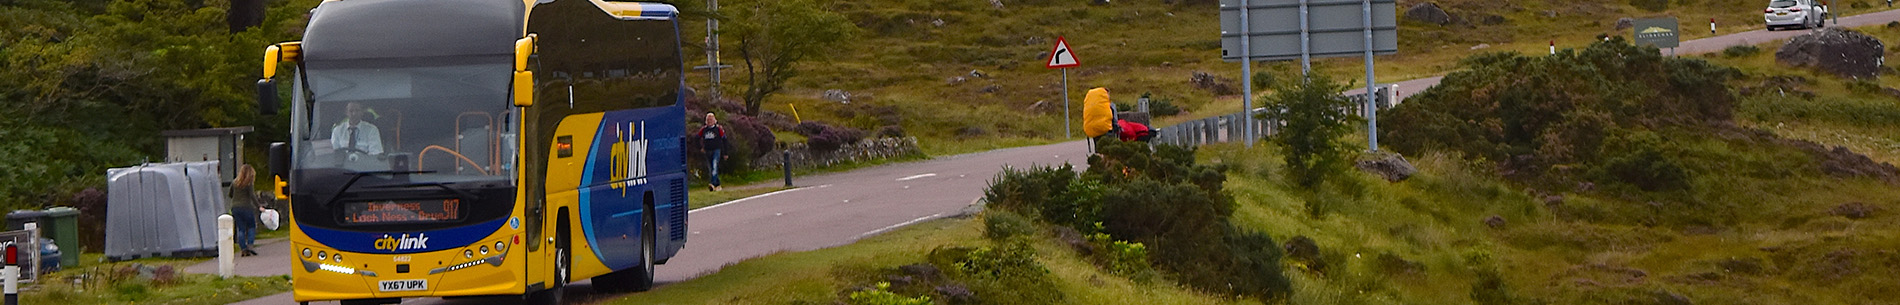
(1659, 32)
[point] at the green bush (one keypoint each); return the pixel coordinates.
(1001, 225)
(881, 295)
(1156, 106)
(1129, 259)
(1863, 86)
(1008, 274)
(1143, 208)
(1178, 211)
(1491, 290)
(1310, 109)
(1053, 194)
(1741, 51)
(1253, 267)
(1541, 117)
(1163, 107)
(1639, 160)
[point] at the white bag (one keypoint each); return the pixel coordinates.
(269, 216)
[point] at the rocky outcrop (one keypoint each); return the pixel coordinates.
(837, 96)
(1213, 84)
(1428, 13)
(1391, 166)
(804, 156)
(1844, 53)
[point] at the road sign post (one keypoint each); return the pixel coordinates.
(1372, 106)
(1246, 75)
(1063, 58)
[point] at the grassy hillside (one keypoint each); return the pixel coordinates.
(1855, 114)
(1752, 218)
(825, 276)
(909, 52)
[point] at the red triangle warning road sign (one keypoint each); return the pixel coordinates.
(1061, 57)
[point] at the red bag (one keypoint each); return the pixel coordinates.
(1131, 131)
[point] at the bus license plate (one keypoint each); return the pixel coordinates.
(404, 285)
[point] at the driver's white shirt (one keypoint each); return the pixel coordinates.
(368, 138)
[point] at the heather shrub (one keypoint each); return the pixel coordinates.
(826, 137)
(1568, 116)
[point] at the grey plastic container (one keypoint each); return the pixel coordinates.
(168, 210)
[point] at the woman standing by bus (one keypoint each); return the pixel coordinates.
(244, 208)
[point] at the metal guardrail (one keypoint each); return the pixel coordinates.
(1229, 127)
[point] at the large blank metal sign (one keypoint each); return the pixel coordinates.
(1335, 28)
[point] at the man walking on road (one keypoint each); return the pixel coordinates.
(713, 143)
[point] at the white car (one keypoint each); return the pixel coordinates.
(1795, 13)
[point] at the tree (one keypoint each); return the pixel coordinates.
(89, 83)
(775, 36)
(1316, 117)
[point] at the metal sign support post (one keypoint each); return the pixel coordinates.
(712, 47)
(1372, 104)
(712, 52)
(1066, 133)
(1246, 72)
(1306, 42)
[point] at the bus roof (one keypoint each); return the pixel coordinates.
(366, 29)
(639, 10)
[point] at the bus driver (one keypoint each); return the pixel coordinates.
(355, 135)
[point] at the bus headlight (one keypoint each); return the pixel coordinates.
(339, 257)
(306, 252)
(322, 255)
(499, 246)
(468, 254)
(484, 250)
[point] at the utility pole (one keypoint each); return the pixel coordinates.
(712, 50)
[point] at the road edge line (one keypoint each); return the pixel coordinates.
(753, 197)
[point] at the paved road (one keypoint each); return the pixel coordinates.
(825, 211)
(836, 209)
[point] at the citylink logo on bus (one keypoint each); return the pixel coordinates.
(629, 157)
(391, 244)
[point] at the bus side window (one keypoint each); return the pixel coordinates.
(509, 146)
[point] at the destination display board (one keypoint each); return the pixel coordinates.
(403, 211)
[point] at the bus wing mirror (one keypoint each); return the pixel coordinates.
(523, 85)
(267, 89)
(267, 97)
(524, 88)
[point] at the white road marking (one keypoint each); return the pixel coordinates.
(916, 177)
(899, 225)
(754, 197)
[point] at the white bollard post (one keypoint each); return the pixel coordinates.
(12, 275)
(1553, 47)
(225, 246)
(1711, 25)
